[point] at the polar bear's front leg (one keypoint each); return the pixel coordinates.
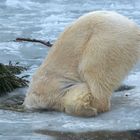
(78, 101)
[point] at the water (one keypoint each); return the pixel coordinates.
(45, 19)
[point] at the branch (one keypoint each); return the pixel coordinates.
(46, 43)
(9, 80)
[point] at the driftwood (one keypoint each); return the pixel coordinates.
(46, 43)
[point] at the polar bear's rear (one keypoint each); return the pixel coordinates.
(85, 65)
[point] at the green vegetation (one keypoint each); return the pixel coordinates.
(9, 79)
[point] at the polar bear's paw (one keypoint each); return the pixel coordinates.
(80, 105)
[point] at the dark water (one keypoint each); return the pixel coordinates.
(97, 135)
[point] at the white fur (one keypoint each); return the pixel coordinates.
(86, 64)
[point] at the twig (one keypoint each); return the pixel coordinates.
(46, 43)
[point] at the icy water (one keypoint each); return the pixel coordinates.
(45, 19)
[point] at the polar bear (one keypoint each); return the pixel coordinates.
(85, 65)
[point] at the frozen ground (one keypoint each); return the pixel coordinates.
(45, 19)
(121, 122)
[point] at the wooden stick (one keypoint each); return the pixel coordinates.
(46, 43)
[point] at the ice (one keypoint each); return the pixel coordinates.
(123, 116)
(27, 4)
